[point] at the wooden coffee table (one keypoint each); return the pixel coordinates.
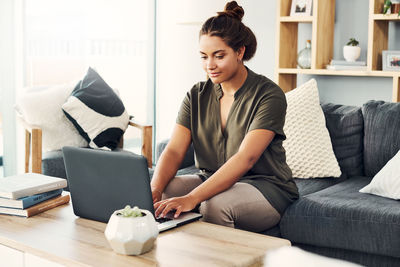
(59, 238)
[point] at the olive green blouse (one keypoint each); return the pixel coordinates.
(258, 104)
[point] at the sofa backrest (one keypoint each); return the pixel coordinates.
(346, 129)
(187, 161)
(381, 134)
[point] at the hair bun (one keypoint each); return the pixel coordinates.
(232, 9)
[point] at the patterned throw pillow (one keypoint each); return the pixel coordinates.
(97, 112)
(308, 146)
(386, 183)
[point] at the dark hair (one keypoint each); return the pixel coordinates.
(229, 26)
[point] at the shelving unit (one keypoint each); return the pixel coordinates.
(322, 20)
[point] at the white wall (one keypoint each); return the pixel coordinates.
(178, 65)
(178, 60)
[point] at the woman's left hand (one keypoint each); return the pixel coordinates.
(179, 204)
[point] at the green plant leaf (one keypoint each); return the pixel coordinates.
(131, 212)
(386, 6)
(352, 42)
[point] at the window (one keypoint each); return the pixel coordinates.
(65, 37)
(1, 147)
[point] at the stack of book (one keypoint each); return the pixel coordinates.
(30, 193)
(346, 65)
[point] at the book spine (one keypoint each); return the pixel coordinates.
(46, 205)
(39, 189)
(35, 199)
(332, 67)
(348, 63)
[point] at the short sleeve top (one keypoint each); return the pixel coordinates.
(258, 104)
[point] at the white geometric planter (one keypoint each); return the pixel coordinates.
(351, 53)
(131, 235)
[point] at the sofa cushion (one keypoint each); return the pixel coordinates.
(188, 170)
(346, 129)
(97, 112)
(187, 161)
(381, 134)
(53, 164)
(308, 145)
(386, 183)
(309, 186)
(341, 217)
(57, 130)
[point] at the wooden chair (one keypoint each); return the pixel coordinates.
(33, 144)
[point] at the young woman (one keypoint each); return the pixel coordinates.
(235, 121)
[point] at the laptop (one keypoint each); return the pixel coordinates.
(101, 182)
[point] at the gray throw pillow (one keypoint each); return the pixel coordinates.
(382, 134)
(346, 129)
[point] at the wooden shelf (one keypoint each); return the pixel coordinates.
(299, 19)
(322, 21)
(373, 73)
(390, 17)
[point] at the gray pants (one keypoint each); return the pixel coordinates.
(241, 206)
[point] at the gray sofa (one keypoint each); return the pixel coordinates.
(331, 217)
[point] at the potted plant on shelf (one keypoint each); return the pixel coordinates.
(131, 231)
(391, 7)
(386, 6)
(351, 51)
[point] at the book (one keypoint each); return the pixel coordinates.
(38, 208)
(28, 184)
(29, 201)
(343, 67)
(348, 63)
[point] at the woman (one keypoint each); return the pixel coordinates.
(235, 121)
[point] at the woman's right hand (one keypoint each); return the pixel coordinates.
(156, 195)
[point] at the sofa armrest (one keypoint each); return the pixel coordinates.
(147, 140)
(33, 140)
(188, 160)
(33, 143)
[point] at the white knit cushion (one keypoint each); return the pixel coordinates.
(308, 146)
(41, 106)
(386, 183)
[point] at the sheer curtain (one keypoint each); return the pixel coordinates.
(65, 37)
(10, 79)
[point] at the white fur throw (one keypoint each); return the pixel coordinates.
(42, 107)
(293, 256)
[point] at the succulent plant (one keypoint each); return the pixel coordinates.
(131, 212)
(352, 42)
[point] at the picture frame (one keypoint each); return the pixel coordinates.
(301, 8)
(391, 60)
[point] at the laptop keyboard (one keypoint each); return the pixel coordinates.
(161, 220)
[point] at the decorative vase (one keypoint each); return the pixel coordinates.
(304, 56)
(351, 53)
(131, 235)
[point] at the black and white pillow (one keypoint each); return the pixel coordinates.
(97, 112)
